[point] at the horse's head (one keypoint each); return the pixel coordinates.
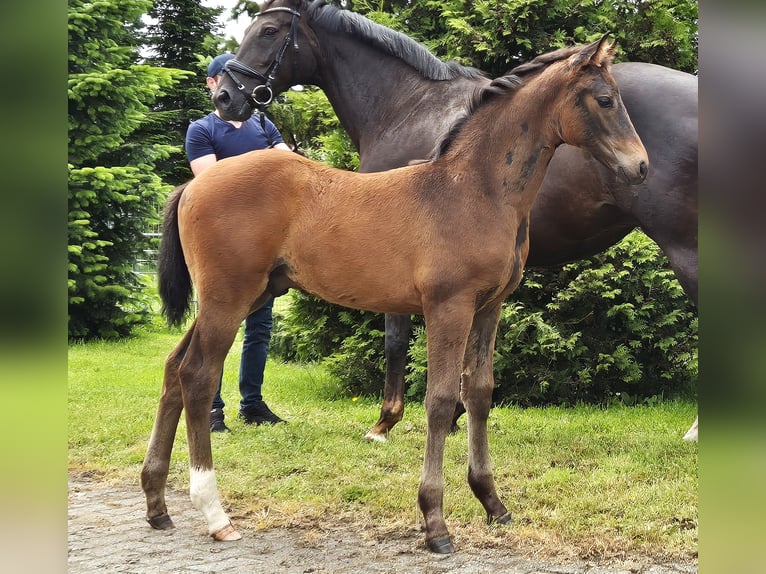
(594, 117)
(267, 62)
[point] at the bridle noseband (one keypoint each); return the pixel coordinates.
(262, 94)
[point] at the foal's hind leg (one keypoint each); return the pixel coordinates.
(199, 374)
(154, 473)
(476, 390)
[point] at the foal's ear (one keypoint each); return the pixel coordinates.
(604, 52)
(599, 53)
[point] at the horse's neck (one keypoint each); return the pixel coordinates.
(379, 99)
(511, 141)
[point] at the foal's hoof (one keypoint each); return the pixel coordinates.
(226, 533)
(504, 519)
(441, 545)
(161, 522)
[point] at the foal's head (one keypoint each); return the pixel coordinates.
(579, 99)
(592, 115)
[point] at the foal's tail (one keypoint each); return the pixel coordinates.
(174, 280)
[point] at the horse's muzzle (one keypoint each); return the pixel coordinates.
(232, 106)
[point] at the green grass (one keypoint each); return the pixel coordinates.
(584, 481)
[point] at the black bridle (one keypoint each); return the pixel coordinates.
(262, 94)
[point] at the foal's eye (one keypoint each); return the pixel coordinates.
(604, 101)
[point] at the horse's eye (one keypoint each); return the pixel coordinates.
(604, 101)
(270, 31)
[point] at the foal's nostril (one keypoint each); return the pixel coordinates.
(643, 169)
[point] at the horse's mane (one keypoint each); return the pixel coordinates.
(396, 44)
(508, 85)
(544, 60)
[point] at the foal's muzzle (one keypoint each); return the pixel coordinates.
(637, 176)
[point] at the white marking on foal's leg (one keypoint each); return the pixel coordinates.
(203, 491)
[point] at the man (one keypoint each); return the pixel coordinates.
(208, 140)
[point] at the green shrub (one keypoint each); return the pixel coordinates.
(307, 119)
(308, 329)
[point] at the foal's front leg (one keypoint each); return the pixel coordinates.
(447, 330)
(476, 391)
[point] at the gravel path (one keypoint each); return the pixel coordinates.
(108, 533)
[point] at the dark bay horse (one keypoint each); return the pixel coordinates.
(395, 100)
(447, 238)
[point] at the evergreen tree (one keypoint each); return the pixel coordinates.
(184, 35)
(113, 189)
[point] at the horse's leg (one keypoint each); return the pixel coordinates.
(448, 326)
(683, 261)
(476, 391)
(459, 411)
(682, 256)
(398, 330)
(681, 251)
(200, 371)
(154, 473)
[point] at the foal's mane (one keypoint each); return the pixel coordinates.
(391, 42)
(506, 85)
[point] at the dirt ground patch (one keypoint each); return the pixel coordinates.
(108, 533)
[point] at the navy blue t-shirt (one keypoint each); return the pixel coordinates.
(211, 134)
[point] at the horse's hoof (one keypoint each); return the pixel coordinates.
(441, 545)
(504, 519)
(375, 437)
(226, 533)
(692, 435)
(161, 522)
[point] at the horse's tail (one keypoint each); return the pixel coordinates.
(173, 275)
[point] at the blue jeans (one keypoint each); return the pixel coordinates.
(255, 347)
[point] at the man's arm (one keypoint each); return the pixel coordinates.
(202, 163)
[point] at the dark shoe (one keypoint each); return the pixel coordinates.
(260, 414)
(216, 421)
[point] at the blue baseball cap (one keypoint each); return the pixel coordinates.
(216, 66)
